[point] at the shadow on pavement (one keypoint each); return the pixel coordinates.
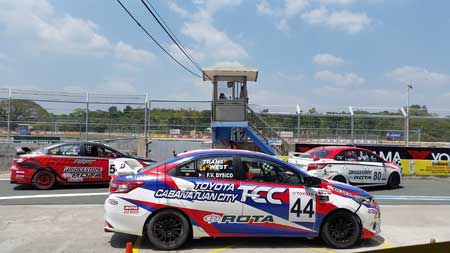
(380, 188)
(119, 241)
(23, 187)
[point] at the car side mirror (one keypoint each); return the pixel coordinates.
(312, 181)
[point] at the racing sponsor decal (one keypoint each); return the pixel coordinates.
(333, 188)
(213, 164)
(83, 161)
(201, 192)
(360, 174)
(216, 168)
(256, 193)
(302, 205)
(130, 209)
(216, 218)
(113, 202)
(395, 153)
(77, 174)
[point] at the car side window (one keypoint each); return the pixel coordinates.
(218, 167)
(261, 170)
(347, 155)
(106, 152)
(67, 150)
(369, 157)
(91, 150)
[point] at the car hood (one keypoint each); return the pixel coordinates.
(353, 190)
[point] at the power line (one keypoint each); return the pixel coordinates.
(154, 40)
(170, 33)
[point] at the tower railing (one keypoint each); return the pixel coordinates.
(267, 132)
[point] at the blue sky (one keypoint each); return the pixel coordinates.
(322, 53)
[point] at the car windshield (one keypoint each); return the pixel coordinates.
(320, 153)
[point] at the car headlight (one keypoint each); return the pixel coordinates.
(367, 200)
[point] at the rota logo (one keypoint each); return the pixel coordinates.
(215, 218)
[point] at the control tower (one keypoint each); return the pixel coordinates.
(234, 124)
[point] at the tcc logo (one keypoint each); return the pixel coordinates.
(253, 192)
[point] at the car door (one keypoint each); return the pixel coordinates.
(96, 167)
(208, 190)
(275, 201)
(375, 165)
(356, 171)
(62, 160)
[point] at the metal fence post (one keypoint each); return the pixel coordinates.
(9, 114)
(145, 125)
(352, 124)
(87, 116)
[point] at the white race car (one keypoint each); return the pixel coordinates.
(351, 165)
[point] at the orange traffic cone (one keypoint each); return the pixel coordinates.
(129, 247)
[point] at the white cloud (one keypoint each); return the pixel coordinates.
(129, 54)
(214, 44)
(340, 20)
(294, 7)
(45, 31)
(177, 9)
(415, 75)
(337, 2)
(327, 60)
(339, 80)
(264, 8)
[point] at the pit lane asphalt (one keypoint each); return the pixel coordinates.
(414, 191)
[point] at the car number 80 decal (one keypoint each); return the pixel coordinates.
(302, 206)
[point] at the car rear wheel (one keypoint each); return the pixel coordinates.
(44, 180)
(341, 230)
(393, 181)
(168, 230)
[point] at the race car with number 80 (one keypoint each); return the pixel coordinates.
(236, 193)
(352, 165)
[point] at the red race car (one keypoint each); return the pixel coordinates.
(77, 162)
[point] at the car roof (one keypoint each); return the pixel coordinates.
(221, 152)
(74, 142)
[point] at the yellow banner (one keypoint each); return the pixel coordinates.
(426, 167)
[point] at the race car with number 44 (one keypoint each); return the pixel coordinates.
(236, 193)
(76, 162)
(351, 165)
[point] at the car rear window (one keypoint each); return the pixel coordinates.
(320, 153)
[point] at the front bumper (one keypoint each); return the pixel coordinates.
(371, 220)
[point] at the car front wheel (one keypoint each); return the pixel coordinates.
(393, 181)
(341, 230)
(168, 230)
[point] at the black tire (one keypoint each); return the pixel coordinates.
(393, 181)
(340, 179)
(168, 230)
(341, 230)
(44, 180)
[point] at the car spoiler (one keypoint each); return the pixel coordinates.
(23, 150)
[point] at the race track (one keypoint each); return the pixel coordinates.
(70, 219)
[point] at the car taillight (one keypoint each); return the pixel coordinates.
(316, 166)
(123, 186)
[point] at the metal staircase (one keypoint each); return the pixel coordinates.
(264, 134)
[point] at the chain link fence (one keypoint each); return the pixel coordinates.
(96, 116)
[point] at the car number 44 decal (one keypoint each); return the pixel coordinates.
(302, 205)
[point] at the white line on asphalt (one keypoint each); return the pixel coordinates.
(4, 179)
(418, 198)
(55, 195)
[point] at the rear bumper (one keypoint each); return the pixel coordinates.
(19, 175)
